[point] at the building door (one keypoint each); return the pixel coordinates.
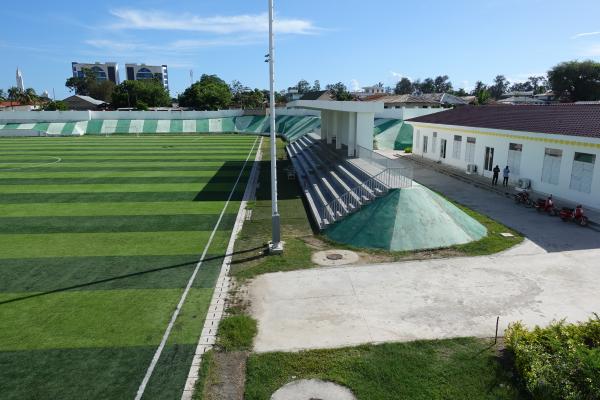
(514, 158)
(443, 148)
(425, 139)
(488, 162)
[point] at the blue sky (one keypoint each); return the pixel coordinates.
(357, 42)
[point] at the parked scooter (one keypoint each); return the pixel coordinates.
(523, 197)
(575, 215)
(546, 206)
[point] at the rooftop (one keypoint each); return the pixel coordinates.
(562, 119)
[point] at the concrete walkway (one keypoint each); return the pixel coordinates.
(343, 306)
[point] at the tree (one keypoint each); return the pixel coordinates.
(576, 80)
(55, 106)
(303, 86)
(2, 95)
(521, 87)
(15, 94)
(141, 94)
(339, 91)
(81, 84)
(499, 87)
(479, 87)
(404, 86)
(539, 84)
(251, 99)
(29, 96)
(460, 92)
(483, 96)
(316, 86)
(209, 93)
(102, 90)
(426, 86)
(442, 84)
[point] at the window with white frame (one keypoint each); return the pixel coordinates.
(514, 158)
(470, 150)
(456, 147)
(583, 172)
(434, 142)
(551, 167)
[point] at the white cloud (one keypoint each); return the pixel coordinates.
(584, 34)
(128, 18)
(397, 76)
(355, 85)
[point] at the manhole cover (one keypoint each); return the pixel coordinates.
(334, 256)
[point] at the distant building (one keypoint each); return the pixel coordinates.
(140, 72)
(427, 100)
(20, 83)
(292, 94)
(104, 71)
(368, 91)
(84, 103)
(317, 95)
(527, 98)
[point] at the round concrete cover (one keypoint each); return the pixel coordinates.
(312, 389)
(340, 257)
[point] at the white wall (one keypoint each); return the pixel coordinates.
(67, 116)
(297, 112)
(407, 113)
(532, 157)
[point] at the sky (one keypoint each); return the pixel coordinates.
(356, 42)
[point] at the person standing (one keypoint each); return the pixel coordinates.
(496, 171)
(505, 174)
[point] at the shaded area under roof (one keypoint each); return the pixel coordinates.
(563, 119)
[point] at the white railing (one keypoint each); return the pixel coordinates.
(376, 186)
(381, 160)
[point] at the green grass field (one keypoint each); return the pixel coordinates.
(98, 238)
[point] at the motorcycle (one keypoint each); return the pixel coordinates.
(575, 215)
(546, 206)
(523, 198)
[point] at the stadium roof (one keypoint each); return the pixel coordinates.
(564, 119)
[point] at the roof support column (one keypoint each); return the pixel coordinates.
(351, 117)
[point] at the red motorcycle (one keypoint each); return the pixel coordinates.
(546, 206)
(575, 215)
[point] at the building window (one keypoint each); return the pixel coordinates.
(470, 150)
(583, 172)
(551, 168)
(434, 142)
(489, 159)
(100, 74)
(456, 147)
(514, 157)
(425, 140)
(418, 139)
(144, 73)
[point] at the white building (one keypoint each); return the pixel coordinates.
(556, 147)
(20, 83)
(139, 72)
(104, 71)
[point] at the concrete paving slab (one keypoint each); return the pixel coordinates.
(342, 306)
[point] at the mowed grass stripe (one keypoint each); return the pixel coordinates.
(93, 318)
(120, 223)
(48, 275)
(104, 188)
(105, 244)
(90, 197)
(101, 180)
(106, 209)
(124, 173)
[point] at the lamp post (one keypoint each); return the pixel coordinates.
(275, 246)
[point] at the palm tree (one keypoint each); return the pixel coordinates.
(2, 95)
(29, 96)
(14, 94)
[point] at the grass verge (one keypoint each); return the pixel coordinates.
(236, 333)
(465, 368)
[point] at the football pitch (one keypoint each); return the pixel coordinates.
(99, 236)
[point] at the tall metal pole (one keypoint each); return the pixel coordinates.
(276, 245)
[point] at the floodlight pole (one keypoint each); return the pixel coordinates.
(276, 246)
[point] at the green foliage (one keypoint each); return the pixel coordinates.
(408, 150)
(141, 94)
(89, 85)
(576, 80)
(404, 86)
(236, 333)
(209, 93)
(560, 362)
(483, 97)
(56, 106)
(339, 92)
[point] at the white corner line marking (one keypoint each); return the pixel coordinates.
(184, 295)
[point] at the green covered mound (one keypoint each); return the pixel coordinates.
(392, 134)
(407, 219)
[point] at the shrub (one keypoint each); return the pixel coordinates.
(408, 150)
(561, 361)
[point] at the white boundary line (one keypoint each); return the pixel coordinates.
(217, 304)
(56, 161)
(184, 295)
